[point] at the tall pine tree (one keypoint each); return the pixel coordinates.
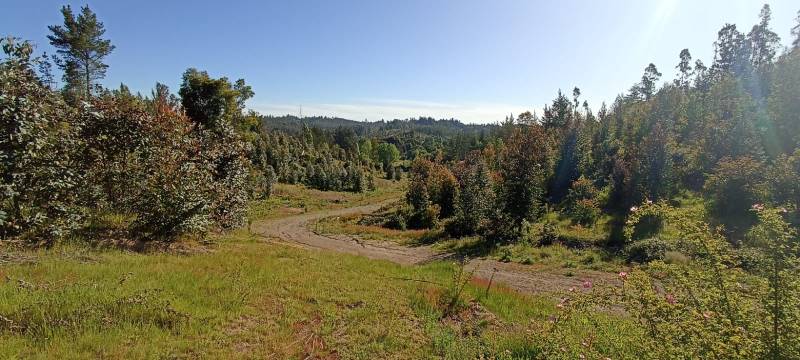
(82, 49)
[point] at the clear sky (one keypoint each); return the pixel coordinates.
(475, 60)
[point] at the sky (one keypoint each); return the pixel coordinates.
(473, 60)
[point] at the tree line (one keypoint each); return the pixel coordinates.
(729, 131)
(76, 158)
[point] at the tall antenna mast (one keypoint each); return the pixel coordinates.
(301, 112)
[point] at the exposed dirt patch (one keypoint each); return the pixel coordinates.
(16, 258)
(295, 229)
(471, 320)
(523, 278)
(307, 334)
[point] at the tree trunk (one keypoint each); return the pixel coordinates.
(88, 84)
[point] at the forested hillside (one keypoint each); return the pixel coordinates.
(729, 131)
(675, 209)
(698, 173)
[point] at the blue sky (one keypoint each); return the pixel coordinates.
(473, 60)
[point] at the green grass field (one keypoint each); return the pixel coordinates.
(240, 297)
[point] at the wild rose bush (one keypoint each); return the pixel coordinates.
(707, 308)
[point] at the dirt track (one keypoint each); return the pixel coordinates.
(523, 278)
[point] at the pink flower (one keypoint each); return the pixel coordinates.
(572, 289)
(670, 299)
(648, 201)
(580, 356)
(634, 208)
(707, 315)
(623, 275)
(587, 284)
(783, 210)
(757, 207)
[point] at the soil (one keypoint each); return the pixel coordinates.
(297, 229)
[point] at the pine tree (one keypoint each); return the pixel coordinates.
(764, 42)
(82, 48)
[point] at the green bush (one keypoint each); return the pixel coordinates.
(427, 218)
(734, 187)
(751, 259)
(585, 211)
(396, 220)
(676, 258)
(647, 250)
(40, 147)
(726, 313)
(548, 234)
(647, 226)
(582, 203)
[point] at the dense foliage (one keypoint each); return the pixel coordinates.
(67, 166)
(728, 131)
(318, 164)
(714, 277)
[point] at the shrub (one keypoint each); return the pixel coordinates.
(585, 211)
(501, 228)
(425, 219)
(548, 234)
(581, 202)
(396, 220)
(417, 194)
(505, 254)
(647, 250)
(676, 258)
(732, 189)
(647, 226)
(431, 185)
(39, 153)
(751, 259)
(390, 172)
(708, 307)
(784, 183)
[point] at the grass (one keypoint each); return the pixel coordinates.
(349, 225)
(546, 257)
(239, 297)
(243, 298)
(289, 199)
(580, 248)
(576, 234)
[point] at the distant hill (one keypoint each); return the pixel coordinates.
(423, 125)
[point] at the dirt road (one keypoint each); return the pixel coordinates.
(524, 278)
